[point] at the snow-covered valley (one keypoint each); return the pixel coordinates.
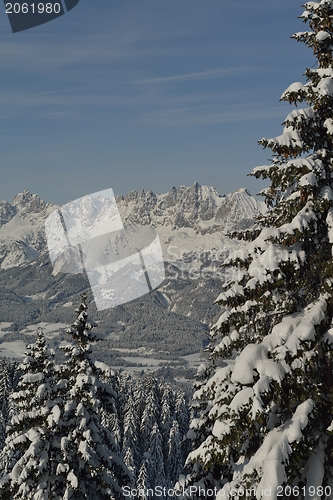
(168, 324)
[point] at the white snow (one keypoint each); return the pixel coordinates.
(247, 362)
(104, 368)
(220, 428)
(32, 377)
(294, 87)
(325, 86)
(290, 138)
(73, 479)
(303, 113)
(326, 193)
(308, 180)
(50, 329)
(241, 399)
(329, 220)
(269, 461)
(274, 450)
(13, 350)
(4, 325)
(54, 416)
(322, 35)
(299, 327)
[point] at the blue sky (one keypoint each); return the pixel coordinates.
(145, 94)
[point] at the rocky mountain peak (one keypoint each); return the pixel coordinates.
(201, 208)
(28, 203)
(7, 212)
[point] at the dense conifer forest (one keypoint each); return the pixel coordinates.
(82, 430)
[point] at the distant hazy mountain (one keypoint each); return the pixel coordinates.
(193, 218)
(200, 208)
(192, 223)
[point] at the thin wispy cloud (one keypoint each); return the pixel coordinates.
(201, 75)
(57, 113)
(188, 116)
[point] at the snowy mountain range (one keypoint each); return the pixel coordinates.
(189, 219)
(192, 223)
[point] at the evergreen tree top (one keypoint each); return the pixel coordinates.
(81, 329)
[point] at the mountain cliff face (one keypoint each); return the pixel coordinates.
(22, 235)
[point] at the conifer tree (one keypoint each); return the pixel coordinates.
(113, 426)
(140, 395)
(182, 415)
(5, 390)
(131, 433)
(156, 458)
(143, 482)
(148, 420)
(264, 400)
(174, 454)
(109, 414)
(3, 434)
(32, 451)
(9, 377)
(130, 464)
(93, 471)
(167, 409)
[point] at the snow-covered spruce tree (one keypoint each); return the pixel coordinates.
(167, 410)
(5, 391)
(130, 446)
(265, 401)
(32, 452)
(148, 419)
(174, 453)
(182, 414)
(143, 482)
(93, 470)
(109, 415)
(156, 458)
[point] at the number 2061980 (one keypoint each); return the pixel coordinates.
(32, 8)
(295, 491)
